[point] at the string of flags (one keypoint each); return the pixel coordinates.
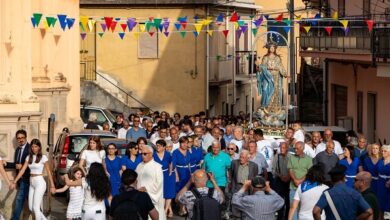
(151, 25)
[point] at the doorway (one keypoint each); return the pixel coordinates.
(371, 117)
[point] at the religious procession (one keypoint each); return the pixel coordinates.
(201, 110)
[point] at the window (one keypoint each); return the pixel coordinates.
(366, 8)
(148, 45)
(278, 27)
(359, 107)
(341, 8)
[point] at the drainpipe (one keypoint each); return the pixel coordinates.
(207, 64)
(325, 91)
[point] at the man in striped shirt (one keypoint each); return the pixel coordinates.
(262, 204)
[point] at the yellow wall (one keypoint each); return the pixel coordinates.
(164, 83)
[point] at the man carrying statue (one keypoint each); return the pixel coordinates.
(270, 88)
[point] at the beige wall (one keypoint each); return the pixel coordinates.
(39, 75)
(365, 81)
(353, 8)
(164, 83)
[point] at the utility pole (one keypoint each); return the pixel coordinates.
(292, 61)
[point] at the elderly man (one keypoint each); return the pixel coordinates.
(346, 200)
(363, 185)
(258, 158)
(186, 197)
(264, 147)
(150, 179)
(228, 136)
(282, 178)
(298, 165)
(327, 159)
(360, 150)
(218, 163)
(238, 137)
(231, 151)
(262, 204)
(123, 130)
(328, 137)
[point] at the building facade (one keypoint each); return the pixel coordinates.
(352, 67)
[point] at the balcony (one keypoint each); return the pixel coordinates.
(243, 65)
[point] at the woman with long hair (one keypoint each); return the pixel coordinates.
(96, 187)
(93, 153)
(114, 166)
(370, 164)
(308, 193)
(384, 181)
(141, 141)
(132, 157)
(36, 162)
(164, 158)
(351, 163)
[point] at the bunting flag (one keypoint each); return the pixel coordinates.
(136, 35)
(183, 34)
(166, 25)
(234, 17)
(113, 25)
(34, 22)
(166, 33)
(131, 23)
(225, 33)
(244, 28)
(83, 35)
(238, 33)
(266, 17)
(220, 19)
(80, 24)
(236, 26)
(370, 24)
(157, 22)
(241, 23)
(84, 21)
(37, 18)
(346, 30)
(254, 31)
(142, 28)
(210, 33)
(108, 21)
(207, 22)
(104, 26)
(258, 21)
(151, 33)
(91, 24)
(124, 26)
(286, 29)
(298, 18)
(177, 26)
(279, 18)
(121, 35)
(344, 23)
(183, 24)
(328, 30)
(70, 22)
(51, 21)
(101, 34)
(335, 15)
(148, 25)
(195, 34)
(62, 20)
(198, 27)
(307, 28)
(45, 25)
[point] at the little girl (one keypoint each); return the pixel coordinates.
(76, 194)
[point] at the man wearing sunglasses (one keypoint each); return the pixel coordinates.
(150, 179)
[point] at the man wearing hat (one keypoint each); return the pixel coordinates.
(262, 204)
(340, 198)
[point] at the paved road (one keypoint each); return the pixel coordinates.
(58, 209)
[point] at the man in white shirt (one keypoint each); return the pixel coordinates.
(264, 147)
(328, 134)
(123, 131)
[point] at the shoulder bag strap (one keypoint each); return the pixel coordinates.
(332, 206)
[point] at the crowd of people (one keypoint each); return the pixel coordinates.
(215, 167)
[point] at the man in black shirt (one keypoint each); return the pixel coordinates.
(131, 203)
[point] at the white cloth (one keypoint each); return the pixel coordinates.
(91, 205)
(122, 133)
(35, 195)
(337, 148)
(92, 156)
(37, 168)
(150, 176)
(309, 151)
(175, 146)
(207, 140)
(299, 135)
(308, 199)
(76, 199)
(265, 148)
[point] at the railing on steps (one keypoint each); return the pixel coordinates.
(88, 72)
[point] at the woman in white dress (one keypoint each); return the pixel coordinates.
(36, 162)
(5, 177)
(93, 153)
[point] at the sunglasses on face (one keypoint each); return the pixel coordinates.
(230, 148)
(144, 154)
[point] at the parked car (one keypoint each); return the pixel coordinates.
(102, 114)
(69, 145)
(339, 133)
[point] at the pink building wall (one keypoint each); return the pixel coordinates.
(365, 81)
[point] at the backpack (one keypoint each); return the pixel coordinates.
(205, 207)
(127, 208)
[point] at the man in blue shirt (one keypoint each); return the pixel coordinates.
(136, 131)
(347, 201)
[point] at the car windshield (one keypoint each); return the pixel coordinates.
(78, 142)
(110, 116)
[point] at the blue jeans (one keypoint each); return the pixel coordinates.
(20, 198)
(292, 194)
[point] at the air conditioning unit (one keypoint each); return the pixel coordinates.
(345, 122)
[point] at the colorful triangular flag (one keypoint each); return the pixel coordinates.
(91, 24)
(113, 25)
(328, 30)
(346, 30)
(335, 15)
(157, 22)
(62, 20)
(234, 17)
(101, 34)
(84, 21)
(279, 18)
(198, 27)
(344, 23)
(104, 26)
(370, 24)
(70, 22)
(177, 26)
(33, 22)
(121, 35)
(210, 33)
(37, 18)
(142, 28)
(238, 33)
(183, 34)
(225, 33)
(244, 28)
(258, 21)
(254, 31)
(151, 33)
(307, 28)
(83, 35)
(131, 23)
(124, 26)
(108, 21)
(195, 34)
(166, 33)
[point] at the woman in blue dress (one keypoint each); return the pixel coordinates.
(384, 180)
(196, 153)
(370, 164)
(132, 158)
(165, 159)
(181, 158)
(114, 168)
(351, 163)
